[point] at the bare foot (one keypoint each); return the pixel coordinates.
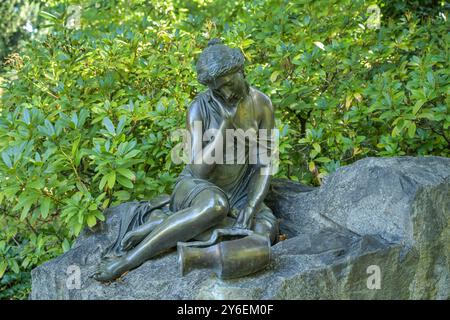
(110, 269)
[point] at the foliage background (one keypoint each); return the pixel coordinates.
(86, 113)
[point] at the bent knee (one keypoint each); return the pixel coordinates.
(215, 204)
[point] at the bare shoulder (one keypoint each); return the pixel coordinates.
(262, 101)
(194, 110)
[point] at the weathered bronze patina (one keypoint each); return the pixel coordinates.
(208, 195)
(230, 253)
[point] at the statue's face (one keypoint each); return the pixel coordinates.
(230, 88)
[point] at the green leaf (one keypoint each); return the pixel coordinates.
(427, 115)
(45, 207)
(25, 210)
(126, 173)
(395, 132)
(80, 215)
(317, 147)
(109, 125)
(91, 221)
(274, 76)
(122, 195)
(111, 179)
(26, 262)
(66, 245)
(124, 182)
(322, 159)
(417, 106)
(3, 266)
(430, 78)
(77, 228)
(99, 215)
(100, 197)
(121, 124)
(48, 16)
(36, 184)
(7, 160)
(105, 203)
(50, 129)
(313, 154)
(103, 182)
(311, 166)
(75, 147)
(14, 266)
(412, 130)
(132, 154)
(26, 116)
(81, 187)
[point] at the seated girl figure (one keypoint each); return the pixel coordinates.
(207, 192)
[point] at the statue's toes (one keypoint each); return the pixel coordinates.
(108, 270)
(97, 274)
(101, 276)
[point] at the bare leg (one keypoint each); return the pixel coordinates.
(135, 236)
(209, 208)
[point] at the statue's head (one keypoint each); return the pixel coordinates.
(221, 68)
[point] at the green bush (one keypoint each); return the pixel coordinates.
(14, 16)
(87, 113)
(345, 90)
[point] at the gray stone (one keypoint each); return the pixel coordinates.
(392, 213)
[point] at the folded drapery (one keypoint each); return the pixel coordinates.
(135, 215)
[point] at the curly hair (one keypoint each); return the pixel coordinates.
(218, 60)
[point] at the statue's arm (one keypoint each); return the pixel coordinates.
(202, 161)
(260, 182)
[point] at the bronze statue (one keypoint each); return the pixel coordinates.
(207, 195)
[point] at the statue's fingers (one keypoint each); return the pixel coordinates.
(125, 240)
(125, 245)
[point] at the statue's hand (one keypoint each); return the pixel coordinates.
(130, 240)
(244, 219)
(229, 113)
(228, 116)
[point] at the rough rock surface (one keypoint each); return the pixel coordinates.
(391, 213)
